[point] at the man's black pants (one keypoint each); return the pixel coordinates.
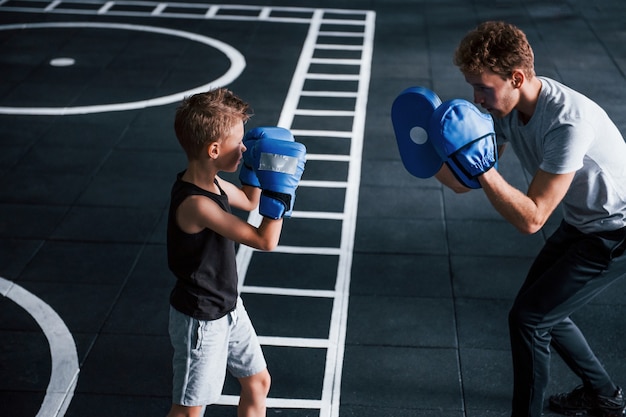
(570, 270)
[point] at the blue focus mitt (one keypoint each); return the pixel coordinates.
(410, 115)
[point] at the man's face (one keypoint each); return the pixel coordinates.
(493, 93)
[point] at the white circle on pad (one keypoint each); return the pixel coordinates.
(418, 135)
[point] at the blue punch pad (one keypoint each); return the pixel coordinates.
(410, 115)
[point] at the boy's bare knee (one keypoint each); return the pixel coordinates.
(257, 384)
(183, 411)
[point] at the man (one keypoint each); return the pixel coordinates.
(576, 156)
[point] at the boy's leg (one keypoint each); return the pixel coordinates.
(254, 390)
(199, 362)
(183, 411)
(247, 363)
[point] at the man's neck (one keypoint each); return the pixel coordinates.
(529, 96)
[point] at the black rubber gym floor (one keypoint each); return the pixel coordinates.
(388, 295)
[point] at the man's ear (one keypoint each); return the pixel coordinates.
(518, 78)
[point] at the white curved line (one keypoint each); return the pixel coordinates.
(65, 369)
(238, 63)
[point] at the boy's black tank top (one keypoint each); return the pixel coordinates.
(204, 263)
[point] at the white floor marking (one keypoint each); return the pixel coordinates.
(294, 342)
(322, 133)
(317, 19)
(62, 62)
(295, 292)
(237, 60)
(64, 374)
(331, 389)
(327, 157)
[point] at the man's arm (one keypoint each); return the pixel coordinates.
(447, 178)
(527, 212)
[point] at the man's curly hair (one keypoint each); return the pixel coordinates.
(496, 46)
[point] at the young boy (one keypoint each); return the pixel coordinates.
(209, 327)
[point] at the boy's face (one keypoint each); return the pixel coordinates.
(493, 93)
(231, 149)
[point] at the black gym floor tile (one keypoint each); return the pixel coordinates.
(506, 275)
(108, 224)
(397, 202)
(402, 377)
(91, 262)
(401, 236)
(29, 221)
(292, 270)
(490, 237)
(311, 232)
(318, 199)
(289, 316)
(408, 275)
(401, 321)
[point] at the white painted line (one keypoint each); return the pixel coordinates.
(307, 250)
(300, 342)
(348, 94)
(159, 9)
(334, 113)
(335, 344)
(106, 7)
(52, 5)
(331, 61)
(300, 73)
(354, 180)
(324, 184)
(237, 66)
(318, 215)
(343, 22)
(342, 34)
(322, 133)
(295, 292)
(215, 12)
(333, 77)
(211, 12)
(328, 157)
(339, 47)
(65, 369)
(275, 402)
(265, 13)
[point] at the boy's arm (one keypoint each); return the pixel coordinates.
(245, 197)
(197, 213)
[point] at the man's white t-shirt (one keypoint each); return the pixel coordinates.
(569, 132)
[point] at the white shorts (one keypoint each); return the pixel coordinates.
(203, 350)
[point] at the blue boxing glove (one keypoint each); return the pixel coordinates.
(247, 176)
(464, 137)
(278, 165)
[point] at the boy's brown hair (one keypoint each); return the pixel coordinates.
(208, 117)
(497, 46)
